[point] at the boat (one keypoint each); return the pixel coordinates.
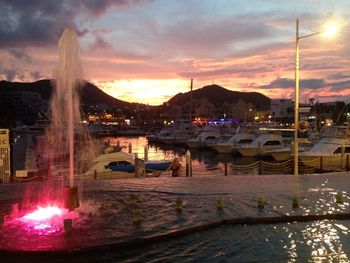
(281, 154)
(177, 133)
(127, 130)
(150, 166)
(209, 136)
(284, 154)
(237, 140)
(212, 166)
(261, 145)
(331, 152)
(123, 163)
(100, 129)
(175, 137)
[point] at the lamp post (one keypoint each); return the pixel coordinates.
(296, 107)
(329, 31)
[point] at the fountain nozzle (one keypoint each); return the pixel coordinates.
(71, 198)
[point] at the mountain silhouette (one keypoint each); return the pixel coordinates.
(218, 95)
(17, 105)
(89, 93)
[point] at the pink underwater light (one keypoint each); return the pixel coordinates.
(45, 213)
(44, 220)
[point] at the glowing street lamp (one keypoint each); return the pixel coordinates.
(329, 31)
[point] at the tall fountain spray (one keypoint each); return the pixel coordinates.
(65, 105)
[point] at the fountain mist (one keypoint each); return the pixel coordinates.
(65, 101)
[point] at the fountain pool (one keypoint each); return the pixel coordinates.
(104, 229)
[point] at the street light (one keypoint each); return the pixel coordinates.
(329, 31)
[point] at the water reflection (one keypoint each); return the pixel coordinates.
(323, 238)
(155, 198)
(319, 241)
(202, 160)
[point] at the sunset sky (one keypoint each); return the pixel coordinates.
(146, 51)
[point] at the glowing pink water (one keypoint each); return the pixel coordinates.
(44, 213)
(42, 228)
(44, 220)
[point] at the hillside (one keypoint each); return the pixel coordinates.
(89, 93)
(218, 95)
(17, 107)
(92, 95)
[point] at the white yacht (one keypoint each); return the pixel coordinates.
(175, 136)
(122, 165)
(334, 147)
(284, 154)
(178, 133)
(210, 135)
(261, 145)
(154, 138)
(99, 163)
(237, 140)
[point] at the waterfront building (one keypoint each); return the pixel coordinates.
(5, 161)
(281, 109)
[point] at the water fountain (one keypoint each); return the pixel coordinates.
(65, 106)
(137, 219)
(47, 206)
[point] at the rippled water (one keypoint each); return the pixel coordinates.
(105, 220)
(322, 241)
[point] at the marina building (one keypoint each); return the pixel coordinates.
(5, 164)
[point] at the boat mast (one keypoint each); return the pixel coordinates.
(190, 115)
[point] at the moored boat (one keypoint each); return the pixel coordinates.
(261, 145)
(150, 166)
(123, 163)
(209, 136)
(237, 140)
(331, 151)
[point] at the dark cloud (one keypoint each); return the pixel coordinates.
(100, 43)
(313, 83)
(14, 74)
(10, 74)
(6, 74)
(280, 83)
(220, 72)
(330, 98)
(34, 22)
(26, 23)
(341, 85)
(35, 75)
(21, 55)
(339, 76)
(324, 65)
(290, 83)
(98, 7)
(198, 37)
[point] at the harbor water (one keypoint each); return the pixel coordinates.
(106, 229)
(208, 217)
(203, 160)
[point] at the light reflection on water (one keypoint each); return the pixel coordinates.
(200, 158)
(109, 219)
(297, 242)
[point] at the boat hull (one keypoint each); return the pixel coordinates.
(334, 162)
(281, 156)
(194, 144)
(149, 167)
(249, 151)
(223, 148)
